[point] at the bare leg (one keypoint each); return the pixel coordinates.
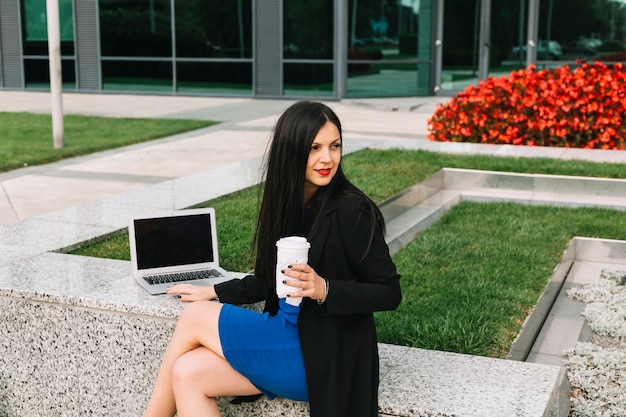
(201, 375)
(197, 326)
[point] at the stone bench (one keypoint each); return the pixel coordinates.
(96, 348)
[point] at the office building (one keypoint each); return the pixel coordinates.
(326, 49)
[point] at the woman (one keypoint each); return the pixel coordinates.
(324, 350)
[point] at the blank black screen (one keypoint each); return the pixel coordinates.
(171, 241)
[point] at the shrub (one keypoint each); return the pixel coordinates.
(613, 57)
(407, 44)
(610, 46)
(358, 54)
(583, 107)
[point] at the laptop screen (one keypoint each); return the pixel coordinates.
(173, 240)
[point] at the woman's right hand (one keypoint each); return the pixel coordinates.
(189, 292)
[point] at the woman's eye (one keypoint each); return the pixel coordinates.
(337, 145)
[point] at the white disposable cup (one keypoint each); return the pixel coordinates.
(290, 250)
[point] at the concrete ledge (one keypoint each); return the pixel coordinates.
(565, 325)
(421, 205)
(76, 359)
(424, 383)
(90, 342)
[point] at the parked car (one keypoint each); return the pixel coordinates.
(589, 45)
(545, 50)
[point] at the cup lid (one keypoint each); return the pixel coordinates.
(293, 242)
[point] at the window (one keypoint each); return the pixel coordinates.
(308, 48)
(382, 48)
(135, 28)
(35, 44)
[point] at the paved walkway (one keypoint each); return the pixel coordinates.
(241, 135)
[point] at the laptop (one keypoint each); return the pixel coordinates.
(175, 247)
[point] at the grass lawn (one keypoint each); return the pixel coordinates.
(471, 279)
(26, 138)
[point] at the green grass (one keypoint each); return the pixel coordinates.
(26, 138)
(468, 281)
(472, 278)
(380, 174)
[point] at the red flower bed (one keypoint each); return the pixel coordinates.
(583, 108)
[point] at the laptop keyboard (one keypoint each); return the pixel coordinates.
(182, 276)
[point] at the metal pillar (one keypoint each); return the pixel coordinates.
(533, 32)
(341, 48)
(485, 39)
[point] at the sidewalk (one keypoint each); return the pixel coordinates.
(242, 135)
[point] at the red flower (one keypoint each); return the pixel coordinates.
(584, 108)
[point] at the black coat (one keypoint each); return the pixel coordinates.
(338, 338)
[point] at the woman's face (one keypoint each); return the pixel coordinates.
(323, 162)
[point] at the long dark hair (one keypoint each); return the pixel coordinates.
(282, 203)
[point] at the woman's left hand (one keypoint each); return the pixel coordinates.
(305, 278)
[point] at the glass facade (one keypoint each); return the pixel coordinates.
(316, 48)
(382, 48)
(214, 47)
(599, 32)
(136, 45)
(205, 49)
(461, 39)
(566, 31)
(135, 28)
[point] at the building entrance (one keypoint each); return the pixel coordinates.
(479, 38)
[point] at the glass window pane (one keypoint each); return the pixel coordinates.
(382, 53)
(308, 29)
(35, 24)
(36, 20)
(135, 28)
(37, 74)
(215, 77)
(385, 80)
(311, 80)
(383, 29)
(460, 44)
(509, 24)
(152, 76)
(462, 25)
(582, 29)
(380, 24)
(214, 28)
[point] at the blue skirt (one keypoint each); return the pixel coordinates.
(265, 349)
